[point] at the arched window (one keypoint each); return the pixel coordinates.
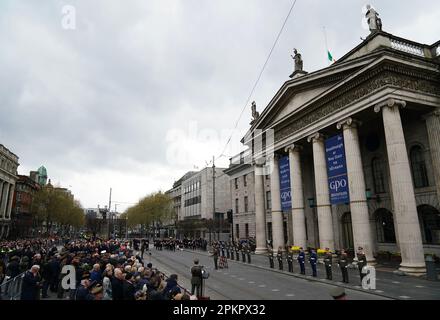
(385, 226)
(429, 218)
(418, 166)
(378, 175)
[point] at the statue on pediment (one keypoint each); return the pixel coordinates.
(255, 113)
(373, 20)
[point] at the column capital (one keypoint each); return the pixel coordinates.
(390, 103)
(259, 162)
(347, 123)
(316, 137)
(294, 148)
(435, 113)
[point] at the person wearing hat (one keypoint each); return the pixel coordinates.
(270, 256)
(313, 259)
(301, 260)
(280, 258)
(362, 261)
(196, 278)
(343, 265)
(328, 258)
(289, 259)
(338, 293)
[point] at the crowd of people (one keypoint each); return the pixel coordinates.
(104, 270)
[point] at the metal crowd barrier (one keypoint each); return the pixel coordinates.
(11, 289)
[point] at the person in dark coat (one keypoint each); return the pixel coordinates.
(128, 287)
(13, 267)
(83, 291)
(118, 285)
(30, 284)
(171, 287)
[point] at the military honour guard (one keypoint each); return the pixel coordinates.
(328, 258)
(301, 260)
(248, 253)
(362, 262)
(313, 259)
(280, 258)
(270, 256)
(343, 265)
(290, 259)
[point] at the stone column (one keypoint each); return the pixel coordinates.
(10, 200)
(260, 209)
(404, 202)
(277, 214)
(4, 199)
(296, 187)
(433, 128)
(362, 234)
(325, 222)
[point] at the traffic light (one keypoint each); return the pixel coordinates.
(230, 216)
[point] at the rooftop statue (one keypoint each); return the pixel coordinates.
(373, 20)
(298, 63)
(255, 113)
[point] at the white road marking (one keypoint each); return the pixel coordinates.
(404, 297)
(241, 279)
(419, 286)
(262, 285)
(275, 290)
(251, 282)
(225, 273)
(379, 291)
(396, 282)
(233, 276)
(290, 295)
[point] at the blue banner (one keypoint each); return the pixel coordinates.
(286, 197)
(337, 170)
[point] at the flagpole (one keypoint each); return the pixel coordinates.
(326, 45)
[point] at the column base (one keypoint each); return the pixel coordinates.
(415, 271)
(261, 250)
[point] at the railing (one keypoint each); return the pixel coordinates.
(11, 289)
(407, 47)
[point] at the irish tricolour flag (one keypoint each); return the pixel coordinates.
(330, 57)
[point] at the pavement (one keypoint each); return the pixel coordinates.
(247, 282)
(388, 284)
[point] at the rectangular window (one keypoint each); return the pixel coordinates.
(246, 228)
(236, 206)
(245, 180)
(268, 201)
(237, 230)
(236, 183)
(246, 204)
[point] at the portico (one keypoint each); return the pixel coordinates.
(383, 101)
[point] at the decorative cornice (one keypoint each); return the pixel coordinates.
(347, 123)
(373, 81)
(390, 103)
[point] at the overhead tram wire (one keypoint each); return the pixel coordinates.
(259, 77)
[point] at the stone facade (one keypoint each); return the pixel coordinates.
(383, 97)
(8, 178)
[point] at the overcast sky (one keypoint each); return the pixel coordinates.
(143, 91)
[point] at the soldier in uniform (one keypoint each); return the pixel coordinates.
(301, 260)
(237, 252)
(313, 259)
(222, 246)
(328, 263)
(243, 253)
(290, 259)
(227, 250)
(215, 256)
(270, 256)
(343, 264)
(280, 258)
(362, 261)
(248, 253)
(231, 249)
